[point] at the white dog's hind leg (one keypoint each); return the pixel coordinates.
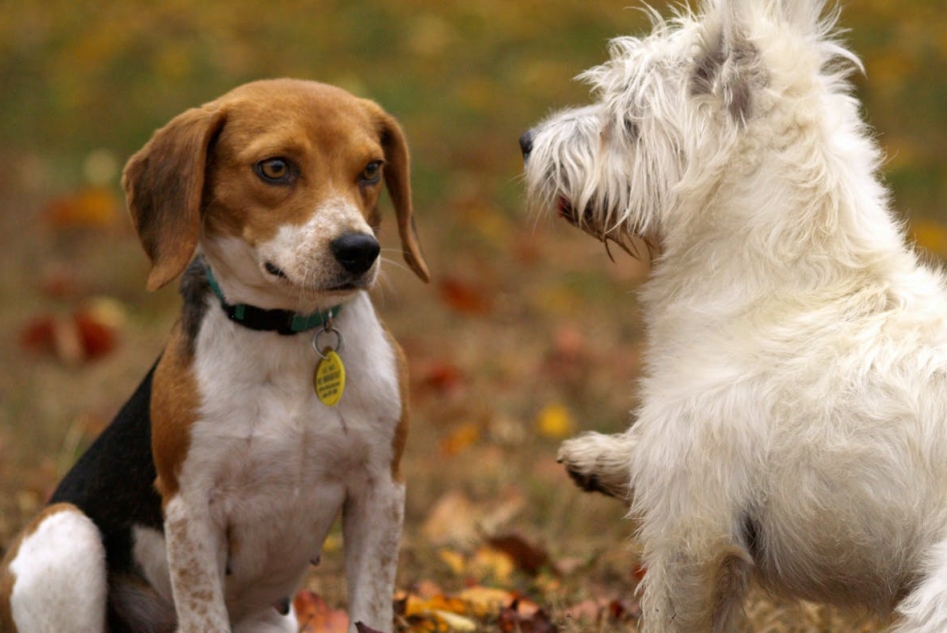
(600, 463)
(59, 576)
(695, 588)
(924, 610)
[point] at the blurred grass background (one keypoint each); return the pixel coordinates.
(465, 78)
(528, 333)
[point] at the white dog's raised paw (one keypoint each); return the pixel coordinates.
(599, 463)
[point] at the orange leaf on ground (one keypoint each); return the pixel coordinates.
(462, 296)
(528, 557)
(462, 611)
(315, 616)
(603, 610)
(97, 338)
(453, 559)
(89, 333)
(419, 606)
(454, 621)
(460, 438)
(93, 207)
(484, 602)
(441, 377)
(452, 519)
(512, 621)
(490, 563)
(436, 613)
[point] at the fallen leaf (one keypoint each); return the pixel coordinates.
(512, 621)
(602, 609)
(453, 559)
(500, 512)
(427, 588)
(456, 520)
(92, 207)
(589, 610)
(452, 519)
(95, 337)
(89, 333)
(555, 421)
(436, 613)
(462, 296)
(483, 602)
(493, 564)
(441, 377)
(454, 621)
(415, 605)
(459, 612)
(74, 339)
(461, 438)
(315, 616)
(623, 610)
(526, 556)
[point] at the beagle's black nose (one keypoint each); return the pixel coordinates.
(526, 143)
(356, 251)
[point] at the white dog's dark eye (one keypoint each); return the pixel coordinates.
(274, 170)
(372, 173)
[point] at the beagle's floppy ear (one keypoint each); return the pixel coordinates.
(164, 186)
(398, 181)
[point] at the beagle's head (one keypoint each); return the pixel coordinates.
(278, 182)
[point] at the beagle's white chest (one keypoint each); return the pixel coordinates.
(275, 463)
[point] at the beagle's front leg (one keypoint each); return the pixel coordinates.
(371, 529)
(196, 559)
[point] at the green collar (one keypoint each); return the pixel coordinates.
(285, 322)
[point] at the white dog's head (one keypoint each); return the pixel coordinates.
(733, 96)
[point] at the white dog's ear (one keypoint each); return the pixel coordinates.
(802, 15)
(728, 66)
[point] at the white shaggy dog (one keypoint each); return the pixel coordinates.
(793, 423)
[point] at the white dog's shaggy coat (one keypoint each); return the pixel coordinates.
(793, 423)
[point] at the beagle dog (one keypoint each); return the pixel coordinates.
(279, 402)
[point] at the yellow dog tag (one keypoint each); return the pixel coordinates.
(329, 378)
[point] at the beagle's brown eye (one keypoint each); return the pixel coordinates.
(274, 170)
(372, 173)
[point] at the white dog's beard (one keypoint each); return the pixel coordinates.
(635, 245)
